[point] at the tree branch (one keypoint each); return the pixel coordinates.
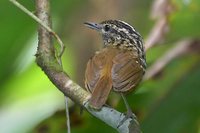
(46, 59)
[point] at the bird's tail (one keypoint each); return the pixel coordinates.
(101, 92)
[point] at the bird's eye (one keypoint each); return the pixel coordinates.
(107, 28)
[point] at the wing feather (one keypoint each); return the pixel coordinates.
(126, 71)
(93, 71)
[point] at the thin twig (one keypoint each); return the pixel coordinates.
(67, 115)
(62, 46)
(157, 33)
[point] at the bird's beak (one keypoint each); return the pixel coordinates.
(94, 26)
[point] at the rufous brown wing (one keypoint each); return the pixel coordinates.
(111, 68)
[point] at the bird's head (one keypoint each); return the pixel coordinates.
(119, 33)
(115, 31)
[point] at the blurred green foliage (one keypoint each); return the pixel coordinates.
(185, 20)
(167, 103)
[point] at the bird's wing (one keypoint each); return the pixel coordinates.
(98, 77)
(93, 70)
(126, 71)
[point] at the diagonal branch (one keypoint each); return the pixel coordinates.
(46, 59)
(161, 10)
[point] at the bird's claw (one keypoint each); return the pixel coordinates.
(128, 115)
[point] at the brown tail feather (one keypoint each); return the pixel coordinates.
(101, 92)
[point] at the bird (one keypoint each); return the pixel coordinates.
(119, 66)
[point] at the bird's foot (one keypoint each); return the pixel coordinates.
(128, 115)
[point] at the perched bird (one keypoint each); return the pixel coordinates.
(119, 66)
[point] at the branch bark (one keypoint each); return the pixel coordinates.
(46, 59)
